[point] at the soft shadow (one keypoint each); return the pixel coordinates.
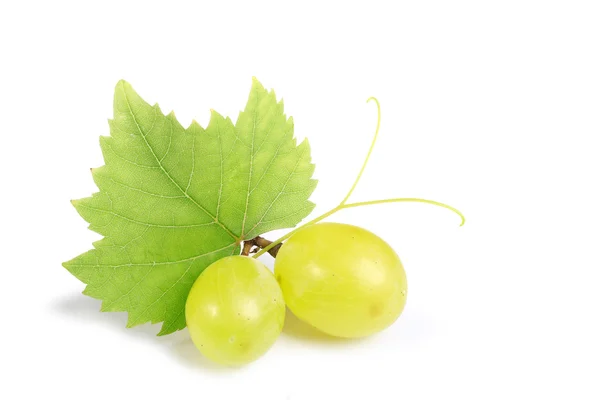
(86, 309)
(179, 345)
(300, 330)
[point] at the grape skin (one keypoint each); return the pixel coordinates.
(341, 279)
(235, 311)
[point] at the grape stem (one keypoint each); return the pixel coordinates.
(258, 243)
(343, 205)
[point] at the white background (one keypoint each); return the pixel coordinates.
(491, 106)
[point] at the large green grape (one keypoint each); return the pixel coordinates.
(341, 279)
(235, 310)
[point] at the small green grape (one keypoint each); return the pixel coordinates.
(235, 311)
(341, 279)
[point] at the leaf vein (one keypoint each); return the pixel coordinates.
(154, 264)
(167, 173)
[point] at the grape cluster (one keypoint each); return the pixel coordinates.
(339, 278)
(343, 280)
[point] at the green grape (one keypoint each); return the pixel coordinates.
(235, 311)
(341, 279)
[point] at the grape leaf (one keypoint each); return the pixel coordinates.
(173, 200)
